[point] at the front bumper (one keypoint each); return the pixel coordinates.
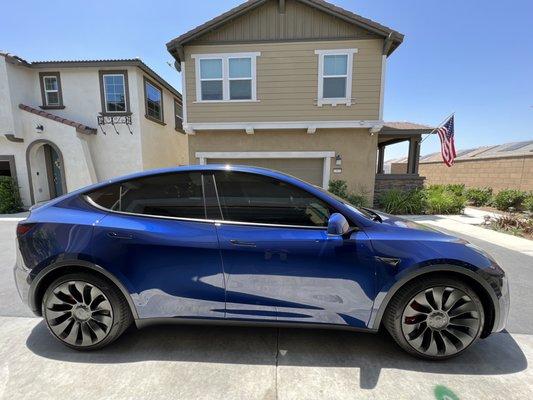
(504, 302)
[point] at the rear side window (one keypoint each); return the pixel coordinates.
(260, 199)
(168, 195)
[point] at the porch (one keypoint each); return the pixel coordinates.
(399, 173)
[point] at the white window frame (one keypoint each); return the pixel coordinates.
(46, 91)
(349, 71)
(225, 57)
(105, 94)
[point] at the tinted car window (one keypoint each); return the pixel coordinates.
(255, 198)
(169, 195)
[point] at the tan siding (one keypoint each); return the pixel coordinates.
(299, 22)
(356, 147)
(287, 84)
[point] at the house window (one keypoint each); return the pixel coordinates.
(211, 79)
(51, 90)
(240, 78)
(114, 92)
(335, 76)
(153, 98)
(226, 77)
(178, 116)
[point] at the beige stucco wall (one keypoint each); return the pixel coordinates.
(162, 145)
(287, 83)
(356, 147)
(87, 158)
(77, 167)
(497, 173)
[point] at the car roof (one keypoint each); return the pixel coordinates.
(208, 167)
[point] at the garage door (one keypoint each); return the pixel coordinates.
(307, 169)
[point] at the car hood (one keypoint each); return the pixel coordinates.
(394, 220)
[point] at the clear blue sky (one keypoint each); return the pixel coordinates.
(473, 57)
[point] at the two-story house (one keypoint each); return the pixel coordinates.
(293, 85)
(67, 124)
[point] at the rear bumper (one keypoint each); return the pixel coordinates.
(23, 281)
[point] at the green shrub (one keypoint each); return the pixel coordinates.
(442, 200)
(509, 198)
(479, 196)
(9, 196)
(358, 200)
(340, 188)
(397, 201)
(528, 203)
(457, 189)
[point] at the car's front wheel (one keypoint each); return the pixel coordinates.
(84, 311)
(435, 317)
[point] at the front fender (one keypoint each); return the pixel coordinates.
(387, 293)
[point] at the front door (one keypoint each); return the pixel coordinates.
(54, 171)
(280, 264)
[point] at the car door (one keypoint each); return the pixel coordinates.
(280, 264)
(156, 239)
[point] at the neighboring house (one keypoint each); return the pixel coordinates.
(67, 124)
(505, 166)
(293, 85)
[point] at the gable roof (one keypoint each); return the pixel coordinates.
(126, 62)
(393, 38)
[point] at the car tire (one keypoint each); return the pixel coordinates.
(85, 312)
(435, 317)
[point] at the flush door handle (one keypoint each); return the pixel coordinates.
(116, 235)
(241, 243)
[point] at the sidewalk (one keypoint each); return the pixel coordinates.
(14, 217)
(467, 224)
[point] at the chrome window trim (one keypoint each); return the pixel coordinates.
(210, 221)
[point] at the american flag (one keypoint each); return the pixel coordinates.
(447, 145)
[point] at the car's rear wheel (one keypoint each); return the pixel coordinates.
(84, 311)
(435, 317)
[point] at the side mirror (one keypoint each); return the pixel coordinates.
(338, 225)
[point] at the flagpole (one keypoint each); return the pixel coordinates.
(438, 126)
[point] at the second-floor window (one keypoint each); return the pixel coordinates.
(335, 76)
(51, 90)
(114, 87)
(178, 115)
(153, 101)
(226, 77)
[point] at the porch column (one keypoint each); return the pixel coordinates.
(414, 154)
(381, 158)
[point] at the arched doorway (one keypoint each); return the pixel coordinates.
(45, 170)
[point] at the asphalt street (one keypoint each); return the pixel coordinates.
(206, 362)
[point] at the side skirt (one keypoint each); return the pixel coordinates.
(145, 322)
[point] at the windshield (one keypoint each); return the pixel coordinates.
(358, 210)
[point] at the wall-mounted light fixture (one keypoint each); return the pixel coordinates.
(338, 160)
(39, 128)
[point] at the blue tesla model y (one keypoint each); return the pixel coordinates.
(243, 245)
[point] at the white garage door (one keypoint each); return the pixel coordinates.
(307, 169)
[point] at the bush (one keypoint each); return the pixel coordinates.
(457, 189)
(9, 196)
(444, 200)
(397, 201)
(479, 196)
(528, 203)
(515, 225)
(340, 188)
(508, 198)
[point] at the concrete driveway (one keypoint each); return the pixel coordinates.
(196, 362)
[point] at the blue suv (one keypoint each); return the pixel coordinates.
(245, 245)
